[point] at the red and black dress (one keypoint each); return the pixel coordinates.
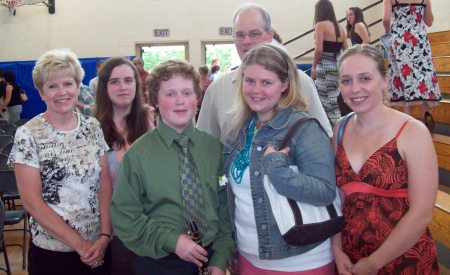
(376, 199)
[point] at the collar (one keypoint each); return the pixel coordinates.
(281, 119)
(168, 134)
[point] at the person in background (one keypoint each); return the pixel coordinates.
(251, 26)
(152, 206)
(123, 119)
(93, 82)
(357, 30)
(85, 100)
(389, 181)
(143, 74)
(252, 152)
(204, 84)
(214, 72)
(62, 174)
(330, 41)
(412, 74)
(214, 62)
(276, 36)
(11, 96)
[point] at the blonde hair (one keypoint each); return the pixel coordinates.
(276, 60)
(56, 62)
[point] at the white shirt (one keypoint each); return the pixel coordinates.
(247, 236)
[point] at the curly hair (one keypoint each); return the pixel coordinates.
(166, 71)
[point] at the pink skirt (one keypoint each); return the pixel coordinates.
(246, 268)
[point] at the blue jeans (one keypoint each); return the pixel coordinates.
(14, 113)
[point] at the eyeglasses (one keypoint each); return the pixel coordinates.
(252, 35)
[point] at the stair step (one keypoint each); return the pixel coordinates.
(444, 83)
(440, 49)
(442, 146)
(441, 113)
(442, 64)
(436, 37)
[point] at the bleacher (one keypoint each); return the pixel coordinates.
(440, 226)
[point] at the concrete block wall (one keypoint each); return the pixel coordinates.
(98, 28)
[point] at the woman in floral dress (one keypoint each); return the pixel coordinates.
(412, 73)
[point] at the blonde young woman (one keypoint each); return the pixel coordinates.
(268, 103)
(387, 168)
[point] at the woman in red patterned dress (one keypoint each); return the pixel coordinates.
(386, 166)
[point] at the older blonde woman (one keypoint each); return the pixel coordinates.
(60, 163)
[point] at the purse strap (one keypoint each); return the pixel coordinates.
(292, 203)
(287, 138)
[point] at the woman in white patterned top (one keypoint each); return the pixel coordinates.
(60, 163)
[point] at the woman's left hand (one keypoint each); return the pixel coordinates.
(94, 256)
(271, 149)
(365, 267)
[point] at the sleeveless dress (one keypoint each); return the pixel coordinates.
(370, 216)
(327, 81)
(355, 38)
(412, 73)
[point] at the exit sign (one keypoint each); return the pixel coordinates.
(161, 32)
(226, 31)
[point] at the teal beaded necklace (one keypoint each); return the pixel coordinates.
(242, 160)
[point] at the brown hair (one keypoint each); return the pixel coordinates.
(325, 12)
(136, 121)
(359, 17)
(367, 51)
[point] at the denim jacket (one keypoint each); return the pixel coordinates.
(315, 183)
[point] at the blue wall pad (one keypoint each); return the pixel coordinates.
(305, 67)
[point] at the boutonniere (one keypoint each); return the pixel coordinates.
(223, 180)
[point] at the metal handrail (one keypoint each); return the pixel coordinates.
(341, 20)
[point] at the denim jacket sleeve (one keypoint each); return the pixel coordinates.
(312, 153)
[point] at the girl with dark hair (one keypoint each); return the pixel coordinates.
(330, 41)
(10, 93)
(357, 30)
(123, 118)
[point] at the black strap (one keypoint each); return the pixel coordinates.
(292, 203)
(287, 138)
(286, 141)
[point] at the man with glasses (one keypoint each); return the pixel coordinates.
(252, 26)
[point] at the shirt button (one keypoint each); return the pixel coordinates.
(260, 200)
(263, 227)
(256, 173)
(259, 149)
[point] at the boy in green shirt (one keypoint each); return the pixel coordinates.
(164, 184)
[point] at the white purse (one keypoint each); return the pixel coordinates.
(302, 223)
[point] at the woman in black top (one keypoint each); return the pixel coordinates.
(10, 93)
(357, 30)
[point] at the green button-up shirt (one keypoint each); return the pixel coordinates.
(146, 207)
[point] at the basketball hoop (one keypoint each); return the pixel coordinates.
(11, 5)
